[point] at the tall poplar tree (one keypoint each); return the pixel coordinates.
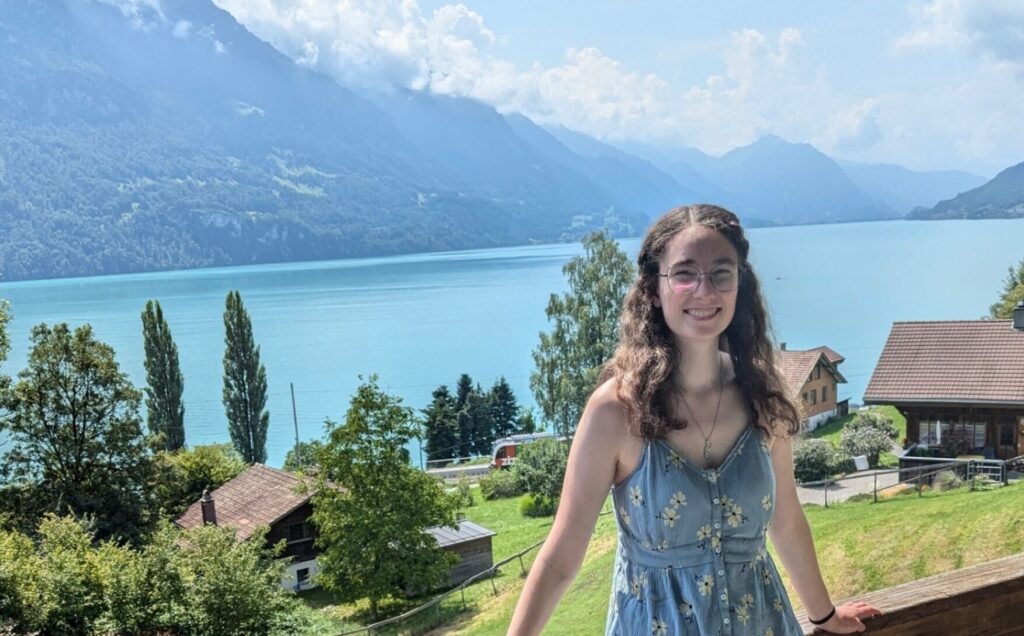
(165, 412)
(245, 384)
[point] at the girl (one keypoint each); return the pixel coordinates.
(690, 428)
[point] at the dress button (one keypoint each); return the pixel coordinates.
(723, 596)
(718, 550)
(726, 620)
(721, 573)
(716, 500)
(717, 525)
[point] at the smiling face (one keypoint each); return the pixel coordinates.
(704, 312)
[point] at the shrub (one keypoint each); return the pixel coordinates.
(462, 494)
(865, 440)
(541, 467)
(947, 480)
(869, 419)
(500, 484)
(813, 459)
(536, 506)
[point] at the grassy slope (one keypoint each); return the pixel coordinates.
(861, 547)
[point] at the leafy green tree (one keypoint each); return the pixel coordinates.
(303, 457)
(504, 409)
(441, 427)
(813, 459)
(1013, 293)
(540, 467)
(77, 443)
(245, 384)
(71, 578)
(585, 333)
(165, 412)
(181, 477)
(372, 507)
(234, 588)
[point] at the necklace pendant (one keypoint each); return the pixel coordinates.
(707, 448)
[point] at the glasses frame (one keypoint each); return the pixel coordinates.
(701, 275)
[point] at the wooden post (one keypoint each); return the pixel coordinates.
(876, 487)
(826, 492)
(494, 586)
(463, 598)
(521, 566)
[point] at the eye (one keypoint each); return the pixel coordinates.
(686, 274)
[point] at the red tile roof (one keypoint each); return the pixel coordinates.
(259, 496)
(796, 366)
(832, 356)
(971, 361)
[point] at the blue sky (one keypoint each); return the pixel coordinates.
(930, 84)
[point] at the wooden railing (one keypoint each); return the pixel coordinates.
(985, 599)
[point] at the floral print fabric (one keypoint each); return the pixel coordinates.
(691, 557)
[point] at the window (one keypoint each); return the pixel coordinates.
(824, 394)
(805, 398)
(929, 432)
(302, 575)
(814, 396)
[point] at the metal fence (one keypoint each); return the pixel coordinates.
(970, 471)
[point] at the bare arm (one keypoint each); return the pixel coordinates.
(791, 536)
(588, 478)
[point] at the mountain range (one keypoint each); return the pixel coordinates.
(172, 137)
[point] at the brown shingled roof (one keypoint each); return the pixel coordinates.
(258, 497)
(797, 365)
(975, 361)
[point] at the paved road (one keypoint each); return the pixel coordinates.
(862, 482)
(454, 472)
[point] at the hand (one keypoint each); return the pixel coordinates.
(847, 618)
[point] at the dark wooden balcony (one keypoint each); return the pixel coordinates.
(985, 599)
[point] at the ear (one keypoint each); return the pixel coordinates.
(656, 301)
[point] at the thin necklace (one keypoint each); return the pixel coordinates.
(714, 423)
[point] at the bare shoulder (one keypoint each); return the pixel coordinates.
(605, 415)
(605, 431)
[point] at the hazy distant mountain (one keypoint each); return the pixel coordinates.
(904, 189)
(631, 180)
(1000, 198)
(687, 166)
(785, 183)
(174, 138)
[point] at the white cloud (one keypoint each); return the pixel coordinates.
(143, 14)
(854, 128)
(993, 29)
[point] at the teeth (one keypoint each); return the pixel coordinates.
(702, 313)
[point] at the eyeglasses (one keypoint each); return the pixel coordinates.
(686, 278)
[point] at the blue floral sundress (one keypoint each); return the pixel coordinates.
(691, 557)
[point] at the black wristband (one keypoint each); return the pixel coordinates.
(827, 618)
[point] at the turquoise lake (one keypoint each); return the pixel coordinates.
(421, 320)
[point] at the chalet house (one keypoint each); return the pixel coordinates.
(812, 378)
(264, 496)
(959, 381)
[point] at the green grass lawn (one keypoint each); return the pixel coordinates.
(861, 547)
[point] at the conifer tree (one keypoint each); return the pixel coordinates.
(441, 426)
(165, 413)
(245, 384)
(504, 410)
(478, 408)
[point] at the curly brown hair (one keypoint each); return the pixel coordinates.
(646, 358)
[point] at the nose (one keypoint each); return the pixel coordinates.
(704, 288)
